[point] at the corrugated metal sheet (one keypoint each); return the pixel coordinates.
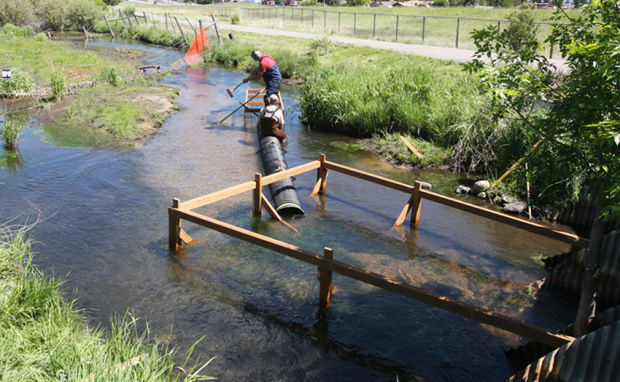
(566, 271)
(593, 357)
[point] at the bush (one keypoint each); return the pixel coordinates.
(112, 2)
(441, 3)
(11, 30)
(52, 13)
(82, 13)
(57, 83)
(358, 3)
(110, 76)
(18, 12)
(41, 37)
(308, 3)
(12, 128)
(18, 81)
(235, 19)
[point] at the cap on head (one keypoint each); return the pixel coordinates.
(273, 99)
(255, 54)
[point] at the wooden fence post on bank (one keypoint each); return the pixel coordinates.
(181, 30)
(109, 27)
(325, 282)
(217, 31)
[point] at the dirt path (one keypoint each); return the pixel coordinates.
(457, 55)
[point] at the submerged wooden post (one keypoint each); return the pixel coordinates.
(321, 178)
(416, 204)
(325, 280)
(174, 227)
(109, 27)
(257, 200)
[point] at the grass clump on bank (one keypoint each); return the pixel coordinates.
(112, 116)
(44, 338)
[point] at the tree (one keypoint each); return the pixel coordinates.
(578, 112)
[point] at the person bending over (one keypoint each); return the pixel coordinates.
(268, 69)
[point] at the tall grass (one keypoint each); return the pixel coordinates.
(422, 98)
(18, 81)
(57, 83)
(44, 338)
(12, 128)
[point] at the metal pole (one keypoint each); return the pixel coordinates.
(324, 19)
(396, 39)
(374, 25)
(458, 25)
(338, 22)
(354, 23)
(423, 26)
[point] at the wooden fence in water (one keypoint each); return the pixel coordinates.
(326, 262)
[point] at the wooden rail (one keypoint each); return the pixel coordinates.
(326, 262)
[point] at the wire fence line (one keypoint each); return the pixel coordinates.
(444, 31)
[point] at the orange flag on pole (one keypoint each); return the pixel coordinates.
(195, 52)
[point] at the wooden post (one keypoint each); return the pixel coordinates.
(458, 26)
(174, 226)
(325, 282)
(122, 17)
(416, 204)
(109, 27)
(182, 33)
(144, 15)
(423, 26)
(166, 18)
(128, 17)
(191, 26)
(374, 25)
(204, 58)
(321, 178)
(396, 35)
(257, 200)
(217, 31)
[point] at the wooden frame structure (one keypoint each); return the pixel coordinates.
(326, 262)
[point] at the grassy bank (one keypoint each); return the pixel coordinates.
(115, 105)
(44, 338)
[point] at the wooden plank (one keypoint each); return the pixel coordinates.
(403, 214)
(442, 302)
(218, 195)
(291, 172)
(274, 214)
(410, 146)
(370, 177)
(185, 237)
(503, 218)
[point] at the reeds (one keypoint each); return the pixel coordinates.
(44, 338)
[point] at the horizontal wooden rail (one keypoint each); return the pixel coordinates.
(291, 172)
(502, 218)
(369, 177)
(247, 186)
(442, 302)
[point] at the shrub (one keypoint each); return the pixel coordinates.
(235, 19)
(110, 76)
(112, 2)
(322, 46)
(309, 3)
(52, 14)
(358, 3)
(41, 37)
(17, 31)
(520, 30)
(12, 128)
(82, 13)
(18, 12)
(18, 81)
(57, 83)
(441, 3)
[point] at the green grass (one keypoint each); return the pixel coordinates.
(44, 338)
(40, 60)
(439, 23)
(12, 127)
(110, 116)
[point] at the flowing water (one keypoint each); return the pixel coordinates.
(104, 226)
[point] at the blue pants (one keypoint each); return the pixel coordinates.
(272, 78)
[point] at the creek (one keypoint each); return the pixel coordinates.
(104, 225)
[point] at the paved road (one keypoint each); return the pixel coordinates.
(457, 55)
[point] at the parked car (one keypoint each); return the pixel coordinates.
(290, 3)
(269, 2)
